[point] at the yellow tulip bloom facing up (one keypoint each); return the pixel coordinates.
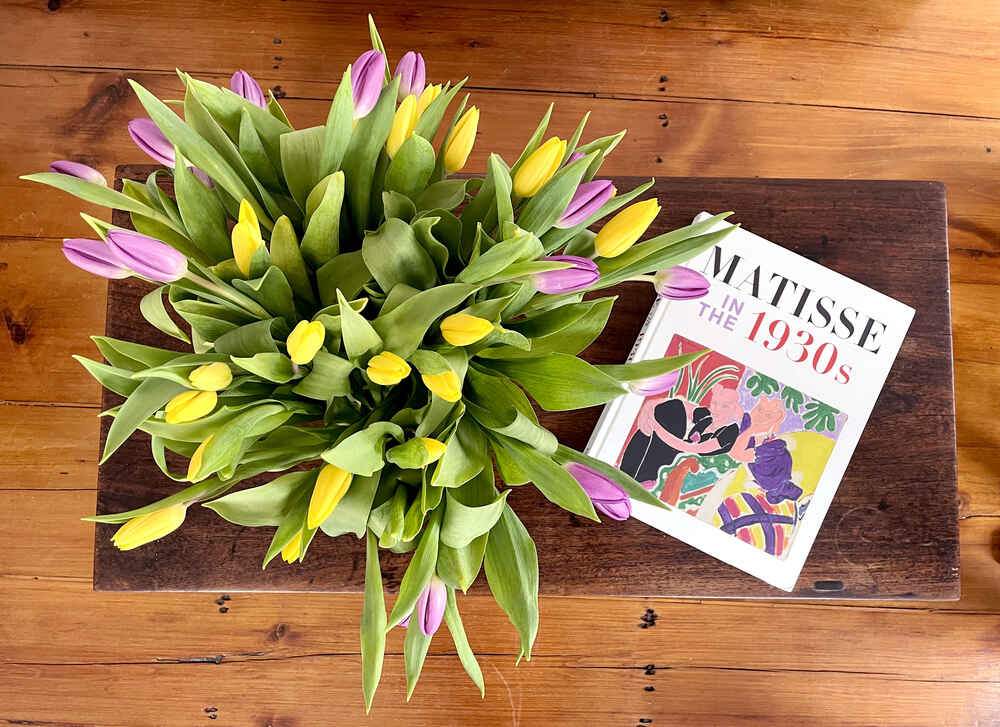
(331, 486)
(402, 125)
(460, 141)
(445, 385)
(539, 167)
(246, 237)
(305, 340)
(387, 369)
(622, 230)
(435, 448)
(147, 528)
(427, 98)
(190, 405)
(194, 465)
(291, 552)
(211, 377)
(462, 329)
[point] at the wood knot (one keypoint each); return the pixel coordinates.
(277, 633)
(17, 330)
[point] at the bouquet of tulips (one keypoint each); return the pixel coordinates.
(371, 327)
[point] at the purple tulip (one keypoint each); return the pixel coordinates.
(430, 606)
(680, 283)
(412, 74)
(588, 198)
(582, 275)
(76, 169)
(94, 257)
(147, 256)
(574, 156)
(655, 384)
(608, 497)
(367, 75)
(243, 84)
(148, 137)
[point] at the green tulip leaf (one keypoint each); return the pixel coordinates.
(358, 334)
(372, 624)
(150, 396)
(394, 256)
(419, 571)
(301, 161)
(329, 377)
(415, 646)
(351, 513)
(446, 195)
(339, 124)
(465, 654)
(266, 505)
(403, 329)
(276, 367)
(511, 564)
(321, 241)
(362, 452)
(410, 170)
(559, 381)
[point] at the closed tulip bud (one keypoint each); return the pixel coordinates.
(415, 453)
(412, 74)
(460, 141)
(608, 497)
(435, 448)
(190, 405)
(331, 486)
(147, 256)
(539, 167)
(94, 257)
(367, 76)
(587, 200)
(680, 283)
(194, 464)
(583, 274)
(81, 171)
(291, 552)
(148, 137)
(461, 329)
(211, 377)
(402, 125)
(246, 237)
(387, 369)
(305, 340)
(655, 385)
(429, 610)
(427, 98)
(622, 230)
(445, 385)
(147, 528)
(574, 156)
(243, 84)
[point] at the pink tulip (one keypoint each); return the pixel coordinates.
(243, 84)
(76, 169)
(367, 76)
(680, 283)
(147, 256)
(608, 497)
(582, 275)
(412, 74)
(587, 200)
(94, 257)
(430, 606)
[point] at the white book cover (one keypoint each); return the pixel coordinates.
(748, 445)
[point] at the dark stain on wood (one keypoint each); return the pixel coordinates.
(18, 330)
(92, 118)
(875, 553)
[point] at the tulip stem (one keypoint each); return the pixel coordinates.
(243, 301)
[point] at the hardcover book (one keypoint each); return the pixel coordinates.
(747, 444)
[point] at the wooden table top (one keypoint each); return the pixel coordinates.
(892, 532)
(844, 89)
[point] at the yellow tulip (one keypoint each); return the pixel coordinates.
(445, 385)
(461, 329)
(430, 93)
(434, 448)
(305, 340)
(331, 486)
(402, 125)
(246, 237)
(190, 405)
(195, 464)
(460, 141)
(622, 230)
(211, 377)
(147, 528)
(539, 167)
(293, 550)
(387, 369)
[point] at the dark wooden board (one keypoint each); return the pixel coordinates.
(891, 532)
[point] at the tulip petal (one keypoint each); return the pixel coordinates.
(76, 169)
(583, 274)
(148, 137)
(147, 256)
(94, 257)
(243, 84)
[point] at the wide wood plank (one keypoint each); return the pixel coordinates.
(926, 57)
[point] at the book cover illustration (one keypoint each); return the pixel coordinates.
(732, 447)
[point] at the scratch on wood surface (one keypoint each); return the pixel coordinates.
(515, 711)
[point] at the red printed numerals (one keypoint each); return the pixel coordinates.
(800, 346)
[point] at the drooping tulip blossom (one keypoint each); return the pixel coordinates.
(539, 167)
(462, 329)
(147, 528)
(403, 123)
(608, 497)
(680, 283)
(435, 448)
(246, 237)
(76, 169)
(147, 256)
(582, 274)
(211, 377)
(387, 369)
(305, 341)
(243, 84)
(367, 76)
(189, 406)
(148, 137)
(94, 257)
(429, 610)
(293, 550)
(655, 384)
(412, 74)
(461, 140)
(331, 485)
(622, 230)
(587, 200)
(446, 385)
